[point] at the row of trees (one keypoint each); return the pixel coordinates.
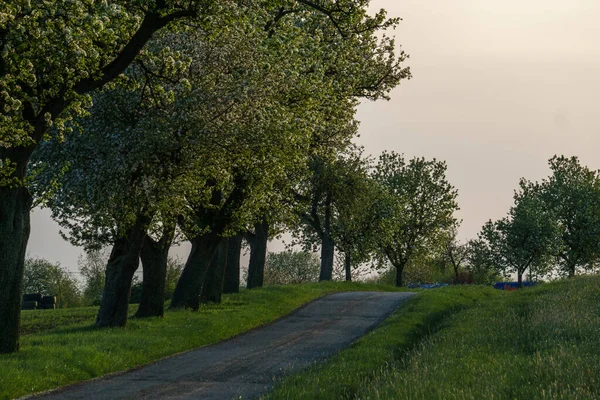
(553, 228)
(206, 117)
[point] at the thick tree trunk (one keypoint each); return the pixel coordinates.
(520, 279)
(232, 271)
(123, 262)
(327, 246)
(188, 289)
(348, 265)
(327, 254)
(399, 277)
(15, 207)
(154, 256)
(258, 255)
(212, 285)
(455, 274)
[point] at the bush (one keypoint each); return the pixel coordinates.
(291, 267)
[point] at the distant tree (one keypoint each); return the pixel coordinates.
(92, 267)
(174, 268)
(456, 252)
(572, 193)
(50, 279)
(417, 209)
(291, 267)
(480, 264)
(526, 238)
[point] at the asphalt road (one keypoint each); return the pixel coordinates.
(247, 365)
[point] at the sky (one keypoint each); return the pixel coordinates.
(498, 88)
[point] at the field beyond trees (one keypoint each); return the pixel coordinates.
(468, 342)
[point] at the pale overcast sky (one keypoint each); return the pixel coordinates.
(499, 87)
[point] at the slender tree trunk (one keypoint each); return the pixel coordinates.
(188, 289)
(232, 271)
(123, 262)
(455, 274)
(154, 256)
(348, 265)
(212, 285)
(520, 279)
(258, 255)
(399, 277)
(327, 245)
(15, 207)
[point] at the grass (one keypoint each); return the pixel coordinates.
(53, 356)
(538, 343)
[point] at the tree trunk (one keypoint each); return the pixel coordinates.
(123, 262)
(348, 262)
(15, 205)
(455, 274)
(188, 289)
(258, 255)
(232, 271)
(212, 285)
(327, 246)
(154, 256)
(520, 279)
(327, 254)
(399, 278)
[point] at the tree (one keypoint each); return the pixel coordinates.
(480, 263)
(526, 238)
(92, 268)
(417, 209)
(291, 267)
(174, 268)
(50, 279)
(50, 64)
(456, 252)
(572, 194)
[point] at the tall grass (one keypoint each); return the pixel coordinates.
(538, 343)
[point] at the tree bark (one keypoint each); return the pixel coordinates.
(212, 285)
(520, 279)
(455, 274)
(188, 289)
(399, 277)
(15, 207)
(154, 256)
(232, 271)
(123, 262)
(348, 265)
(327, 254)
(327, 245)
(258, 255)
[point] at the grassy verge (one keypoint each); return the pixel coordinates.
(346, 374)
(539, 343)
(60, 356)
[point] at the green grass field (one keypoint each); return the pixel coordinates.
(60, 347)
(471, 343)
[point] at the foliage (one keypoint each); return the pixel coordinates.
(102, 351)
(572, 193)
(174, 268)
(50, 279)
(418, 207)
(291, 267)
(526, 238)
(92, 268)
(481, 264)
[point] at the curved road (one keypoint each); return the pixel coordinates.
(248, 364)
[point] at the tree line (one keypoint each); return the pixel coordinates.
(204, 117)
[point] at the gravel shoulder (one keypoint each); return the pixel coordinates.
(248, 365)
